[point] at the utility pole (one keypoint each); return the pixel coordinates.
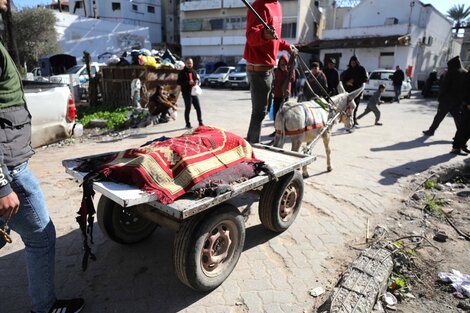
(9, 35)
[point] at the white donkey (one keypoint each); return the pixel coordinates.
(304, 121)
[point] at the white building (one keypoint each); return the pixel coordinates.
(77, 34)
(144, 13)
(214, 30)
(386, 33)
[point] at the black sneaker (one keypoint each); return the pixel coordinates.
(188, 126)
(67, 306)
(428, 133)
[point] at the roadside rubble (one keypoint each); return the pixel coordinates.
(424, 253)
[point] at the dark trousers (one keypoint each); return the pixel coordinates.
(442, 111)
(356, 100)
(277, 105)
(463, 131)
(371, 108)
(194, 100)
(260, 88)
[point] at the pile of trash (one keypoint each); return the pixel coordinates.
(153, 58)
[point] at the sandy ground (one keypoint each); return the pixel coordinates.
(371, 167)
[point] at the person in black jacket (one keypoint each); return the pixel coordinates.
(22, 205)
(397, 79)
(459, 146)
(187, 79)
(353, 78)
(450, 95)
(332, 77)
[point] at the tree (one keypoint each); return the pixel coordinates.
(35, 34)
(9, 35)
(458, 13)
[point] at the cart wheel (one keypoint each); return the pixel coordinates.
(280, 202)
(207, 248)
(122, 225)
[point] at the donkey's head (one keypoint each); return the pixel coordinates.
(345, 104)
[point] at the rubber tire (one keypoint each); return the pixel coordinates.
(110, 214)
(189, 243)
(270, 201)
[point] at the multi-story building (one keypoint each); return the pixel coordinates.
(465, 53)
(146, 13)
(214, 30)
(386, 33)
(171, 24)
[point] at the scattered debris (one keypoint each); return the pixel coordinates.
(460, 282)
(440, 236)
(315, 292)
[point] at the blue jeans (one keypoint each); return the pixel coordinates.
(33, 224)
(260, 87)
(397, 92)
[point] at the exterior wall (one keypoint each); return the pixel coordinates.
(465, 54)
(74, 36)
(103, 10)
(201, 41)
(170, 21)
(430, 32)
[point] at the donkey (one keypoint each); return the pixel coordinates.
(304, 121)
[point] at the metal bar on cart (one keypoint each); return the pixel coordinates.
(260, 18)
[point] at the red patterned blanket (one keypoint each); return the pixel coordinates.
(170, 168)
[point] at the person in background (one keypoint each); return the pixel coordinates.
(261, 50)
(373, 103)
(187, 79)
(281, 74)
(22, 205)
(317, 81)
(450, 95)
(397, 78)
(160, 105)
(353, 78)
(332, 77)
(459, 146)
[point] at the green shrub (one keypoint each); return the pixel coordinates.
(116, 117)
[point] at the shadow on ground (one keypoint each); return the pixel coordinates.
(124, 278)
(407, 145)
(391, 175)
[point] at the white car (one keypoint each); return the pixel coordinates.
(384, 77)
(220, 77)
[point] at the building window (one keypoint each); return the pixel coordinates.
(116, 6)
(289, 30)
(151, 9)
(78, 5)
(135, 7)
(235, 22)
(217, 24)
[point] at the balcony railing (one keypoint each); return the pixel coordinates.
(201, 5)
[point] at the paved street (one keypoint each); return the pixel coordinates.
(275, 271)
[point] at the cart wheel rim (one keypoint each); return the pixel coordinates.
(288, 203)
(219, 247)
(132, 222)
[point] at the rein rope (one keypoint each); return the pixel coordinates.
(4, 231)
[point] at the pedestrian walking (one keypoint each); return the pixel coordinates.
(317, 81)
(450, 95)
(397, 79)
(187, 79)
(373, 103)
(22, 205)
(353, 78)
(332, 77)
(281, 74)
(261, 50)
(459, 146)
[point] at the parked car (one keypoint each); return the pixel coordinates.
(202, 73)
(220, 77)
(239, 78)
(53, 112)
(384, 77)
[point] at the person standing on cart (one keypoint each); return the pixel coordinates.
(261, 50)
(353, 78)
(187, 79)
(22, 205)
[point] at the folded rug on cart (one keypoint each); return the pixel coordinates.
(171, 167)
